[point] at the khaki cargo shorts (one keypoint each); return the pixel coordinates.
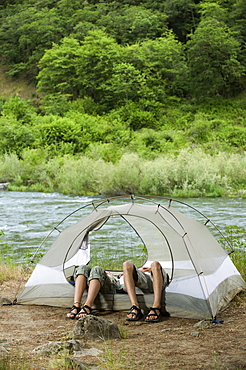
(96, 272)
(144, 281)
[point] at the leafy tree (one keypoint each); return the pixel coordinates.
(25, 35)
(58, 69)
(213, 58)
(96, 59)
(131, 24)
(126, 83)
(237, 21)
(162, 61)
(182, 17)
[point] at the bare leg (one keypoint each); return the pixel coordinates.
(80, 286)
(128, 271)
(157, 286)
(93, 291)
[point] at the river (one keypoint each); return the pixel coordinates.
(26, 218)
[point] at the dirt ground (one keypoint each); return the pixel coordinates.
(173, 343)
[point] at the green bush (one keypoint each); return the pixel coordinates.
(10, 168)
(186, 173)
(14, 136)
(18, 108)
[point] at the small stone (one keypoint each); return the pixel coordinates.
(89, 352)
(18, 341)
(204, 324)
(72, 363)
(195, 333)
(3, 350)
(5, 301)
(3, 340)
(79, 365)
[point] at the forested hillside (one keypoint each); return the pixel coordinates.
(153, 87)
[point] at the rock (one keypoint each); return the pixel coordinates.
(18, 341)
(3, 340)
(93, 327)
(89, 352)
(195, 333)
(5, 301)
(204, 324)
(3, 351)
(167, 329)
(75, 364)
(55, 347)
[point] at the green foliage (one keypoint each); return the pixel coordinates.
(58, 68)
(182, 17)
(162, 61)
(121, 78)
(185, 173)
(14, 137)
(4, 246)
(132, 24)
(18, 108)
(236, 236)
(214, 60)
(55, 132)
(25, 33)
(10, 168)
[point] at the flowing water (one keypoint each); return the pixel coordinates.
(27, 218)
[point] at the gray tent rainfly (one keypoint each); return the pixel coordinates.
(203, 278)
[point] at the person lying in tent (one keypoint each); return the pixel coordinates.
(151, 279)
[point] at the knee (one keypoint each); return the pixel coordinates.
(128, 267)
(155, 266)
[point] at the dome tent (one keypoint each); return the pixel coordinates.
(203, 278)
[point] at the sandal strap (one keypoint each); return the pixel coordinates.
(134, 308)
(71, 313)
(75, 308)
(154, 309)
(84, 310)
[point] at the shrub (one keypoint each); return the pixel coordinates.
(10, 167)
(15, 137)
(20, 109)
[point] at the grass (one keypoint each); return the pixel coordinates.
(10, 271)
(16, 362)
(10, 86)
(236, 236)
